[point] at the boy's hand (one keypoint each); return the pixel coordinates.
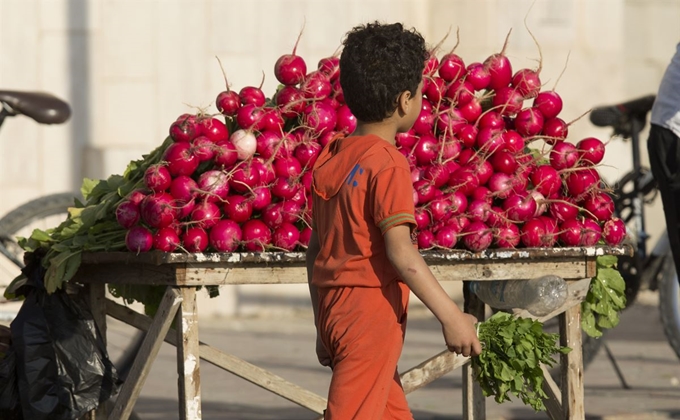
(322, 354)
(461, 336)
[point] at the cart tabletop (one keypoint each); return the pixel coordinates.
(439, 256)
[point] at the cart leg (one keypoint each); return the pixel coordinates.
(95, 295)
(189, 377)
(572, 364)
(474, 405)
(147, 354)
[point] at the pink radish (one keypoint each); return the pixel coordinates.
(225, 236)
(139, 239)
(290, 69)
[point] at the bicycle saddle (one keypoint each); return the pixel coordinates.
(42, 107)
(619, 116)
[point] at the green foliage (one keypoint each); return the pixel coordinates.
(512, 351)
(606, 298)
(91, 226)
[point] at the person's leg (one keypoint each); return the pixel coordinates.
(397, 406)
(363, 332)
(664, 157)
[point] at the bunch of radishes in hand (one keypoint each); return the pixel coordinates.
(478, 184)
(240, 181)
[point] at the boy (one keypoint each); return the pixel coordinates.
(361, 262)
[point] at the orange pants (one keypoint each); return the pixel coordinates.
(363, 331)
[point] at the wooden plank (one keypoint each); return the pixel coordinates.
(474, 404)
(553, 403)
(591, 268)
(189, 377)
(508, 270)
(95, 296)
(117, 273)
(431, 369)
(291, 258)
(221, 274)
(571, 365)
(147, 353)
(230, 363)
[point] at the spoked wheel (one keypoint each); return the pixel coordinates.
(669, 303)
(41, 213)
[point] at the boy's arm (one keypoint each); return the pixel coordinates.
(312, 252)
(458, 327)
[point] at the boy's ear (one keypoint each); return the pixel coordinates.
(404, 102)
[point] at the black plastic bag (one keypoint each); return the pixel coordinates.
(63, 370)
(9, 393)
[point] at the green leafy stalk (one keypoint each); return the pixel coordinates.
(606, 298)
(91, 226)
(512, 352)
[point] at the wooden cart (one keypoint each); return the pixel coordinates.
(182, 273)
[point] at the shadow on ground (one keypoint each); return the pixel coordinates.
(166, 409)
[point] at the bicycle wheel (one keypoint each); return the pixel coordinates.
(669, 303)
(41, 213)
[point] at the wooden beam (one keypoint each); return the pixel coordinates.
(571, 364)
(433, 368)
(453, 256)
(474, 404)
(230, 363)
(553, 403)
(117, 273)
(188, 372)
(95, 296)
(222, 274)
(147, 354)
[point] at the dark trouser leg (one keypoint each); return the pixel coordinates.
(664, 157)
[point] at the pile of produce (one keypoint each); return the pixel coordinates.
(241, 181)
(491, 166)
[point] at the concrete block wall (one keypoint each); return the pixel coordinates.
(130, 67)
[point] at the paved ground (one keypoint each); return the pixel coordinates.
(284, 345)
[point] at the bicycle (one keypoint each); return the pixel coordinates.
(46, 212)
(644, 270)
(44, 109)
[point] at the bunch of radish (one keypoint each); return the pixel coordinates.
(490, 161)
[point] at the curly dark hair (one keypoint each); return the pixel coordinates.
(378, 62)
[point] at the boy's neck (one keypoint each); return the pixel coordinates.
(383, 129)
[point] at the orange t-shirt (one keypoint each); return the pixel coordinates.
(361, 188)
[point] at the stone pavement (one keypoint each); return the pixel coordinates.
(284, 345)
